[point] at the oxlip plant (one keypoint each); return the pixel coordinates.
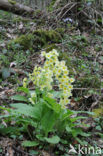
(43, 112)
(54, 72)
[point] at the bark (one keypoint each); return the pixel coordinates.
(16, 8)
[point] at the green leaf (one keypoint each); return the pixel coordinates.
(66, 115)
(40, 137)
(99, 134)
(4, 116)
(30, 143)
(19, 98)
(54, 105)
(63, 141)
(32, 152)
(27, 110)
(56, 94)
(5, 73)
(79, 140)
(101, 58)
(25, 90)
(77, 118)
(9, 130)
(85, 134)
(86, 112)
(68, 129)
(53, 140)
(7, 109)
(78, 131)
(48, 121)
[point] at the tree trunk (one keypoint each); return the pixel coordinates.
(16, 8)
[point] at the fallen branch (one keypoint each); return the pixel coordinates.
(16, 8)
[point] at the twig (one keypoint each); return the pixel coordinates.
(68, 10)
(64, 8)
(20, 151)
(86, 89)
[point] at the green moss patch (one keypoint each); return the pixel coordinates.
(12, 2)
(38, 39)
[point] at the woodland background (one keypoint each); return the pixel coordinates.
(75, 29)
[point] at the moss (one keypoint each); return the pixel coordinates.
(37, 39)
(24, 40)
(98, 112)
(12, 2)
(48, 35)
(60, 30)
(50, 47)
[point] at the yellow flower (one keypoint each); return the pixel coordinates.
(25, 82)
(70, 87)
(50, 95)
(66, 72)
(31, 100)
(33, 94)
(56, 62)
(64, 77)
(69, 94)
(46, 62)
(57, 76)
(36, 68)
(66, 83)
(39, 68)
(43, 53)
(64, 68)
(47, 74)
(62, 102)
(67, 101)
(62, 80)
(65, 96)
(59, 71)
(71, 80)
(34, 82)
(65, 93)
(48, 55)
(64, 88)
(62, 63)
(46, 67)
(49, 87)
(63, 107)
(42, 87)
(38, 72)
(24, 85)
(44, 77)
(60, 86)
(51, 61)
(55, 52)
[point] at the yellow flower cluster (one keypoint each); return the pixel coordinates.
(32, 98)
(25, 82)
(53, 71)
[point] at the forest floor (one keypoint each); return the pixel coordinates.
(83, 52)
